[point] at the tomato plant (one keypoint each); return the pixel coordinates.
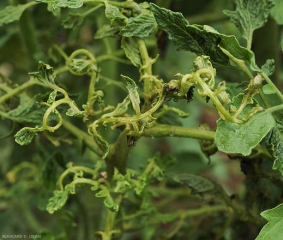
(141, 120)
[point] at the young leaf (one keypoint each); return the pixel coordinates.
(269, 67)
(45, 74)
(63, 3)
(276, 11)
(130, 47)
(12, 13)
(25, 135)
(133, 93)
(141, 26)
(120, 109)
(81, 66)
(273, 229)
(274, 144)
(250, 15)
(268, 89)
(57, 201)
(112, 12)
(107, 31)
(242, 138)
(202, 40)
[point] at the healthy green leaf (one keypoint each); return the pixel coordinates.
(202, 40)
(57, 201)
(63, 3)
(274, 144)
(250, 15)
(242, 138)
(276, 11)
(273, 229)
(141, 26)
(133, 93)
(130, 47)
(45, 74)
(12, 13)
(25, 135)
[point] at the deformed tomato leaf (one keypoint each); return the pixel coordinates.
(63, 3)
(273, 229)
(120, 109)
(249, 15)
(196, 183)
(110, 204)
(107, 31)
(276, 11)
(269, 67)
(202, 40)
(112, 12)
(241, 138)
(274, 144)
(141, 26)
(12, 13)
(133, 93)
(45, 74)
(28, 111)
(57, 201)
(81, 66)
(130, 47)
(25, 135)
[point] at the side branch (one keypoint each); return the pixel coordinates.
(163, 130)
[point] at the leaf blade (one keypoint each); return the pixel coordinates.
(202, 40)
(249, 15)
(133, 93)
(273, 229)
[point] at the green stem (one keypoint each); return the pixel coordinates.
(110, 220)
(250, 40)
(162, 130)
(91, 89)
(273, 109)
(239, 63)
(32, 81)
(84, 137)
(221, 109)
